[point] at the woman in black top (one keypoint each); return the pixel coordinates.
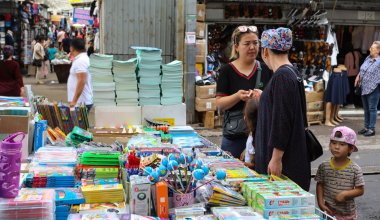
(235, 81)
(280, 135)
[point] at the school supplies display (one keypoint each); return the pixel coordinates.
(103, 193)
(64, 117)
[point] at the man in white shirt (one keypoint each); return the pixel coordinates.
(79, 85)
(60, 36)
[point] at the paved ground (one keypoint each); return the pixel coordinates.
(367, 157)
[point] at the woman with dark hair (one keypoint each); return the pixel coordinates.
(11, 83)
(235, 84)
(280, 134)
(79, 87)
(352, 63)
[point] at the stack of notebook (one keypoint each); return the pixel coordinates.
(149, 73)
(103, 193)
(126, 82)
(171, 83)
(64, 198)
(102, 79)
(100, 158)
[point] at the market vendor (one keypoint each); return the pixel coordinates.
(236, 81)
(280, 134)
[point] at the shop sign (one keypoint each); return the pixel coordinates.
(82, 16)
(366, 15)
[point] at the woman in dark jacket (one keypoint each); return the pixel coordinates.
(11, 83)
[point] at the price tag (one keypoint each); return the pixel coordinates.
(208, 105)
(211, 91)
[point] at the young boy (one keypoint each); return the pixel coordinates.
(52, 51)
(340, 180)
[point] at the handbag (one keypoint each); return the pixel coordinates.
(234, 124)
(37, 62)
(314, 148)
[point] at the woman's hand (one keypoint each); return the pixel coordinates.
(357, 80)
(257, 93)
(275, 167)
(243, 95)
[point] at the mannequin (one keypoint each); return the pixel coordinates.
(332, 109)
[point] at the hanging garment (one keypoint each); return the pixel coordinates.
(357, 37)
(367, 35)
(331, 39)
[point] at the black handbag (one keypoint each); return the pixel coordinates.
(234, 125)
(358, 90)
(37, 62)
(314, 148)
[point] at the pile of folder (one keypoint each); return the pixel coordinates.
(126, 82)
(149, 73)
(102, 79)
(103, 193)
(171, 83)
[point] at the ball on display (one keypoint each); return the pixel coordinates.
(165, 161)
(198, 174)
(182, 159)
(173, 157)
(221, 174)
(154, 177)
(147, 171)
(205, 169)
(195, 164)
(189, 159)
(161, 170)
(173, 165)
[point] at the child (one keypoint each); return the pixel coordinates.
(340, 180)
(52, 51)
(250, 117)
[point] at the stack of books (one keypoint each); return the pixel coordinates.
(171, 83)
(126, 82)
(102, 79)
(149, 74)
(98, 208)
(103, 193)
(64, 198)
(100, 158)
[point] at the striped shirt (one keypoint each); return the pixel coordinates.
(370, 75)
(337, 180)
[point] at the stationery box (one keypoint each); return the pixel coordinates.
(201, 12)
(205, 92)
(273, 213)
(201, 30)
(272, 200)
(139, 196)
(204, 105)
(10, 124)
(161, 200)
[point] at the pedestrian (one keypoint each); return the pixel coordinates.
(66, 42)
(11, 83)
(250, 117)
(79, 87)
(280, 134)
(45, 63)
(90, 49)
(235, 81)
(61, 35)
(369, 79)
(351, 62)
(9, 39)
(39, 54)
(52, 51)
(340, 180)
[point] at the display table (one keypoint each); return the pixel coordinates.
(62, 71)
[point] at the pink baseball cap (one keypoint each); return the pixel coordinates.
(348, 136)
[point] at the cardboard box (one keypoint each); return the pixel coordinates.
(201, 30)
(272, 213)
(314, 96)
(275, 200)
(170, 113)
(117, 116)
(201, 12)
(139, 196)
(314, 106)
(204, 105)
(200, 58)
(10, 124)
(201, 47)
(205, 92)
(319, 86)
(315, 116)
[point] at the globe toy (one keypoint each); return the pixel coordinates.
(173, 165)
(198, 174)
(221, 174)
(165, 161)
(205, 169)
(162, 170)
(154, 177)
(147, 171)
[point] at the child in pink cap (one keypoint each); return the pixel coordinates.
(340, 180)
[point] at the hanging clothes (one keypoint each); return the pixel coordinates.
(367, 35)
(357, 37)
(331, 39)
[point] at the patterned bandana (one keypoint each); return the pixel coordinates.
(277, 39)
(348, 136)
